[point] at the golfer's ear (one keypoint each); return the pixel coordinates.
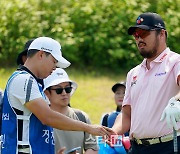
(40, 54)
(163, 33)
(47, 92)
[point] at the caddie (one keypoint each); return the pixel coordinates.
(27, 119)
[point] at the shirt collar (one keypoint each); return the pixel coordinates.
(159, 59)
(23, 68)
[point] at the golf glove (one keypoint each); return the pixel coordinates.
(172, 113)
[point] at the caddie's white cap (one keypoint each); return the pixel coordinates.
(50, 45)
(58, 76)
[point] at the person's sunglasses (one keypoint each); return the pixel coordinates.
(60, 90)
(141, 33)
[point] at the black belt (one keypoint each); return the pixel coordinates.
(151, 141)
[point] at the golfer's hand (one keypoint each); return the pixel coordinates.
(172, 113)
(108, 139)
(98, 130)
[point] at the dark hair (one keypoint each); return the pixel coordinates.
(32, 52)
(19, 59)
(49, 89)
(158, 31)
(47, 53)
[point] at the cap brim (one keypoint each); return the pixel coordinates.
(62, 62)
(132, 29)
(114, 88)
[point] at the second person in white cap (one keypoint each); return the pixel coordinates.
(59, 88)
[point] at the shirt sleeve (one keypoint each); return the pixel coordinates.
(89, 140)
(1, 97)
(177, 72)
(24, 88)
(126, 100)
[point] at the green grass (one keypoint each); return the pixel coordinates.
(93, 95)
(4, 75)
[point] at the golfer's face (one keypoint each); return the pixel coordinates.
(49, 64)
(148, 43)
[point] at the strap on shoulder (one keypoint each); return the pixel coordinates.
(80, 115)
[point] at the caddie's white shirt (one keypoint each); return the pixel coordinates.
(17, 93)
(148, 93)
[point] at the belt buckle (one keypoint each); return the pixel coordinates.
(145, 142)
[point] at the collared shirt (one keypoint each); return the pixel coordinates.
(148, 93)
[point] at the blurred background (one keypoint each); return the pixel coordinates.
(93, 35)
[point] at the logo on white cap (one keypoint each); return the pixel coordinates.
(50, 45)
(59, 74)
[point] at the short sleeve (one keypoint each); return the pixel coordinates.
(24, 88)
(126, 100)
(1, 97)
(89, 140)
(177, 72)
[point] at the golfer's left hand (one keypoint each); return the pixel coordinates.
(172, 113)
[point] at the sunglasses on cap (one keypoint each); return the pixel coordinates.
(60, 90)
(142, 33)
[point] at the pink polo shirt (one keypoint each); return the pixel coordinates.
(148, 93)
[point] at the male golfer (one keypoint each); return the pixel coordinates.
(152, 90)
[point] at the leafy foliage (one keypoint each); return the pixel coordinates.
(92, 33)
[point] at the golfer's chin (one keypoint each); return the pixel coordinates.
(119, 104)
(45, 76)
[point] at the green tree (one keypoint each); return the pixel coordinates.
(92, 33)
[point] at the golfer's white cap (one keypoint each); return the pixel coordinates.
(58, 76)
(50, 45)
